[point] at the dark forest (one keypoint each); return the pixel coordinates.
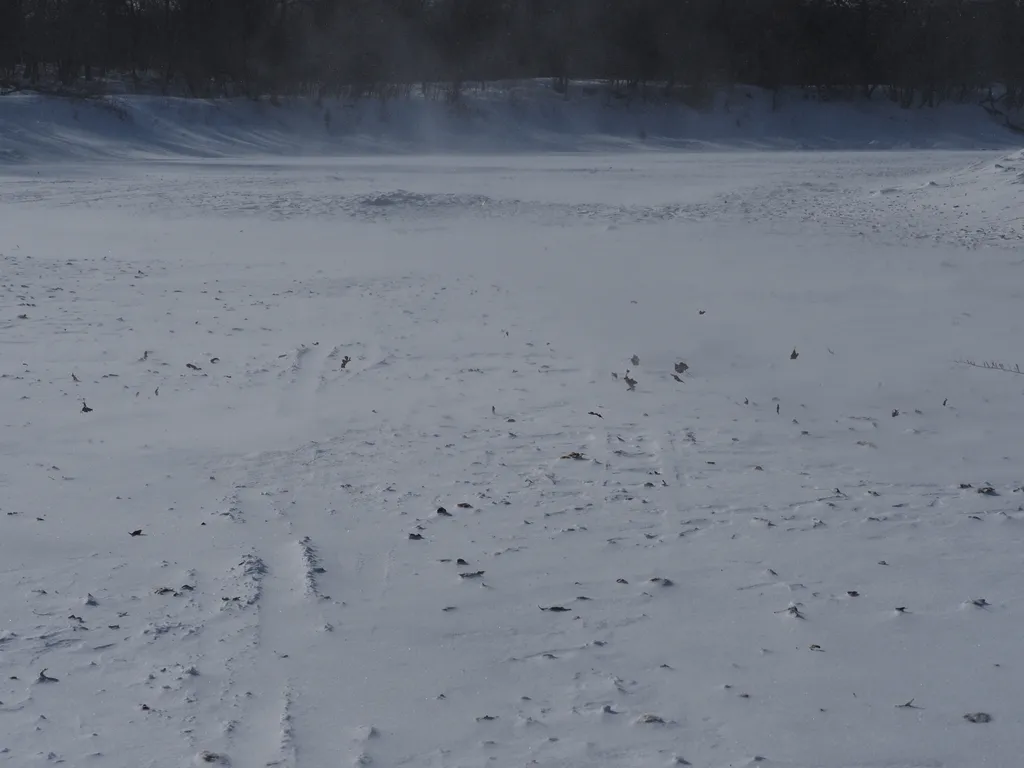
(918, 52)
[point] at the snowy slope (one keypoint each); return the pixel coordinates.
(506, 117)
(758, 559)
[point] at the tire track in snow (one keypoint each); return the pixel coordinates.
(304, 377)
(264, 736)
(283, 589)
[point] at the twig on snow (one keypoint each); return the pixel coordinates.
(993, 365)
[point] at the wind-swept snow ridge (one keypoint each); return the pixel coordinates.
(506, 117)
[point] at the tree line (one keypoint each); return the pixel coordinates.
(920, 51)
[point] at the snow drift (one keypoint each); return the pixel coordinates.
(518, 118)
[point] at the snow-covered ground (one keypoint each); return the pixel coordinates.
(310, 463)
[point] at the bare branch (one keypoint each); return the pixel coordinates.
(993, 366)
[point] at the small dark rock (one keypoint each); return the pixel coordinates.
(978, 717)
(650, 720)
